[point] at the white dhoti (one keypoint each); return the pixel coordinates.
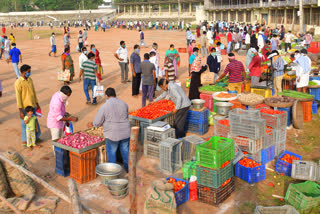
(302, 77)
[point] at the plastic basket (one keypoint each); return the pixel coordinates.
(215, 196)
(264, 156)
(170, 155)
(315, 92)
(304, 196)
(170, 119)
(305, 170)
(62, 161)
(182, 50)
(83, 166)
(188, 169)
(219, 129)
(247, 144)
(314, 78)
(190, 142)
(209, 101)
(263, 92)
(284, 167)
(143, 126)
(314, 107)
(248, 127)
(237, 104)
(215, 152)
(280, 135)
(214, 177)
(198, 116)
(238, 154)
(197, 128)
(280, 147)
(286, 209)
(237, 114)
(182, 195)
(289, 114)
(275, 121)
(250, 175)
(307, 112)
(270, 138)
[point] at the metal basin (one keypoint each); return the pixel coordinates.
(108, 169)
(197, 103)
(120, 192)
(223, 108)
(118, 184)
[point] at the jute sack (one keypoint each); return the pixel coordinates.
(4, 186)
(207, 78)
(160, 198)
(20, 183)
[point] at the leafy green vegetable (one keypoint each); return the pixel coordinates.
(312, 83)
(295, 94)
(212, 88)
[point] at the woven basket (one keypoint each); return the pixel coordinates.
(206, 92)
(256, 102)
(302, 99)
(279, 105)
(313, 86)
(297, 115)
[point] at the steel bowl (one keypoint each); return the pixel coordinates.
(118, 184)
(119, 193)
(223, 108)
(108, 169)
(197, 103)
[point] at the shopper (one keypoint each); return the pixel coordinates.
(135, 62)
(213, 63)
(15, 57)
(148, 71)
(53, 45)
(122, 56)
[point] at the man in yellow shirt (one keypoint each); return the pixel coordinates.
(26, 96)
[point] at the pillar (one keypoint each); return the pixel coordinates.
(159, 9)
(285, 17)
(310, 16)
(294, 12)
(137, 9)
(214, 16)
(169, 9)
(245, 16)
(190, 7)
(124, 10)
(237, 16)
(130, 9)
(229, 16)
(179, 7)
(149, 10)
(269, 17)
(143, 6)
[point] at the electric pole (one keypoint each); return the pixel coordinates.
(301, 16)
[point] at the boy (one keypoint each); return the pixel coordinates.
(31, 128)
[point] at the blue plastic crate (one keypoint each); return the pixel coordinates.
(314, 78)
(315, 92)
(182, 196)
(198, 116)
(62, 162)
(314, 107)
(197, 128)
(284, 167)
(264, 156)
(289, 114)
(250, 175)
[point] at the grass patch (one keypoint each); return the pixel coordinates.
(245, 207)
(22, 35)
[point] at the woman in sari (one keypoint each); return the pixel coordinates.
(67, 63)
(97, 60)
(266, 49)
(176, 60)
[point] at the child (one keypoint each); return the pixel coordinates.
(31, 127)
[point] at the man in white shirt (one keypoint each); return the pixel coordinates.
(288, 38)
(122, 56)
(53, 45)
(260, 41)
(83, 56)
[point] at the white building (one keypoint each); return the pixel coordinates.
(106, 4)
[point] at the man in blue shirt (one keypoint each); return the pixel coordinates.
(14, 56)
(135, 61)
(142, 39)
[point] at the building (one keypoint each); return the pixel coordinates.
(269, 11)
(107, 4)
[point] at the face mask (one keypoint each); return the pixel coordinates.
(94, 50)
(171, 49)
(195, 53)
(124, 46)
(64, 97)
(85, 52)
(155, 47)
(252, 54)
(213, 54)
(137, 51)
(27, 75)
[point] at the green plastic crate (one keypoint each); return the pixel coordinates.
(188, 169)
(304, 196)
(215, 152)
(214, 177)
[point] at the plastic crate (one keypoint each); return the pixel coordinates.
(264, 156)
(170, 155)
(261, 91)
(314, 78)
(305, 170)
(270, 138)
(284, 167)
(238, 154)
(275, 121)
(315, 92)
(189, 144)
(289, 114)
(83, 166)
(215, 152)
(307, 111)
(209, 101)
(237, 114)
(198, 116)
(280, 134)
(196, 127)
(214, 177)
(286, 209)
(170, 119)
(247, 144)
(182, 196)
(237, 104)
(280, 147)
(248, 127)
(304, 196)
(215, 196)
(314, 107)
(62, 161)
(143, 126)
(188, 169)
(219, 129)
(250, 175)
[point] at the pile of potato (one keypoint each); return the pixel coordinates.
(96, 131)
(250, 98)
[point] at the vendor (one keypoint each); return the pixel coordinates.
(236, 72)
(254, 68)
(113, 116)
(278, 71)
(302, 71)
(181, 101)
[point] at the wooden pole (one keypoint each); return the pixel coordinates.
(132, 169)
(45, 184)
(15, 210)
(75, 198)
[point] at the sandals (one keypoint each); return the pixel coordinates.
(88, 102)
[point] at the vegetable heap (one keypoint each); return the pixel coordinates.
(212, 88)
(289, 158)
(166, 105)
(224, 164)
(80, 140)
(226, 182)
(279, 100)
(295, 94)
(178, 185)
(224, 122)
(224, 95)
(312, 83)
(96, 131)
(271, 111)
(155, 110)
(250, 97)
(249, 163)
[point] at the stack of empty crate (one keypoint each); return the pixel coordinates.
(170, 155)
(215, 181)
(197, 121)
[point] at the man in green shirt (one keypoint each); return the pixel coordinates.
(89, 70)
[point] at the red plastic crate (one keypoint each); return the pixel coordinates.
(223, 52)
(209, 101)
(314, 44)
(83, 166)
(237, 104)
(307, 111)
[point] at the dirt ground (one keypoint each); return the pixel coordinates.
(94, 194)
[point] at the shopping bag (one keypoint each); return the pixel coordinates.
(68, 128)
(64, 75)
(237, 46)
(86, 43)
(98, 91)
(207, 78)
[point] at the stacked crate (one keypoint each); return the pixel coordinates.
(189, 144)
(170, 155)
(221, 127)
(215, 181)
(197, 121)
(62, 161)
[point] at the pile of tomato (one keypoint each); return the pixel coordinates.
(289, 158)
(226, 182)
(224, 122)
(178, 185)
(225, 164)
(166, 105)
(271, 111)
(155, 110)
(249, 163)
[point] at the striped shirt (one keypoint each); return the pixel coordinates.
(279, 66)
(234, 68)
(169, 69)
(88, 68)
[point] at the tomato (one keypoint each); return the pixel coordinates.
(249, 163)
(178, 185)
(154, 111)
(289, 158)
